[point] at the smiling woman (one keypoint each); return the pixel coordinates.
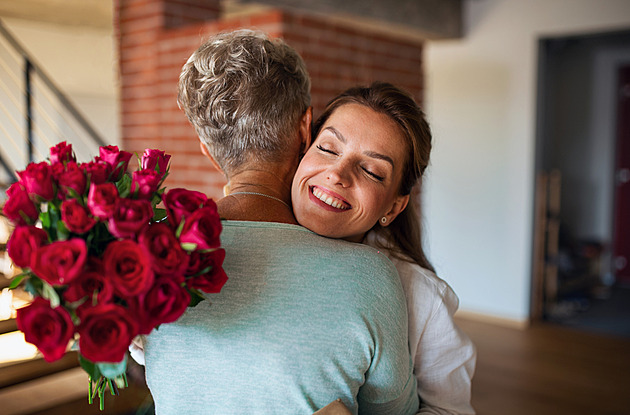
(348, 180)
(372, 146)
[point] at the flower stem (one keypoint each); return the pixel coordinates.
(101, 393)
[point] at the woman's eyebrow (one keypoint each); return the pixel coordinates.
(380, 157)
(371, 154)
(336, 133)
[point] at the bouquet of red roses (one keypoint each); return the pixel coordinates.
(102, 260)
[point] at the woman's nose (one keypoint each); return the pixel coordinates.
(339, 174)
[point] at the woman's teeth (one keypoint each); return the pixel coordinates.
(329, 200)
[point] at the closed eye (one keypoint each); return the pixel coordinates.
(375, 176)
(325, 150)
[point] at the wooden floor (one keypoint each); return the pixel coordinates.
(548, 370)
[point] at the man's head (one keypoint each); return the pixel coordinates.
(245, 94)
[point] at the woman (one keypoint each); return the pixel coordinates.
(372, 146)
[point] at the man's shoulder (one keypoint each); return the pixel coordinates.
(283, 234)
(299, 245)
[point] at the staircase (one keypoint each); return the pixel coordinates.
(35, 115)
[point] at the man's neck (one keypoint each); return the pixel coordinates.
(260, 193)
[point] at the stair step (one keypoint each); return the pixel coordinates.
(28, 397)
(66, 392)
(7, 326)
(16, 373)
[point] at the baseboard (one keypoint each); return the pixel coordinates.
(491, 319)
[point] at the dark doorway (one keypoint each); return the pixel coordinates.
(621, 231)
(583, 208)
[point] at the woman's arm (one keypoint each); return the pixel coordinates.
(444, 357)
(444, 362)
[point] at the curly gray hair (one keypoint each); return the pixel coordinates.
(245, 94)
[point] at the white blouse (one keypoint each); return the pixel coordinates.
(443, 356)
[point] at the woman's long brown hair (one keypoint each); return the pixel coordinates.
(403, 237)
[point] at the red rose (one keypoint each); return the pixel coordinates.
(88, 283)
(50, 329)
(19, 208)
(213, 280)
(62, 153)
(23, 242)
(70, 177)
(96, 171)
(144, 183)
(38, 180)
(117, 160)
(76, 217)
(128, 267)
(60, 262)
(129, 217)
(155, 158)
(167, 256)
(180, 203)
(202, 228)
(106, 330)
(165, 302)
(102, 199)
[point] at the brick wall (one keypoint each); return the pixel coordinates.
(156, 37)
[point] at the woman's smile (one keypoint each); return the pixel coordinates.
(328, 199)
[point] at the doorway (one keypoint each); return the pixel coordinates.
(582, 222)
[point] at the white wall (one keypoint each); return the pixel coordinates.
(480, 100)
(81, 62)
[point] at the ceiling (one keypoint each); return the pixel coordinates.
(424, 18)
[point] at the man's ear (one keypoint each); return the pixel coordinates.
(305, 130)
(205, 152)
(400, 203)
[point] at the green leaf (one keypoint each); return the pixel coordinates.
(17, 280)
(49, 293)
(124, 185)
(90, 368)
(33, 285)
(189, 246)
(62, 231)
(44, 217)
(113, 370)
(54, 216)
(73, 193)
(195, 297)
(159, 214)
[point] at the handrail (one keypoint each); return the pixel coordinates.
(63, 99)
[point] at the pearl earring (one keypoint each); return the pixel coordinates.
(383, 220)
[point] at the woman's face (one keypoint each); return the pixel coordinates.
(349, 178)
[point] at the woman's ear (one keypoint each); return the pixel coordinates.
(400, 203)
(305, 130)
(205, 152)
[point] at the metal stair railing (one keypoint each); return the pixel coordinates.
(34, 113)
